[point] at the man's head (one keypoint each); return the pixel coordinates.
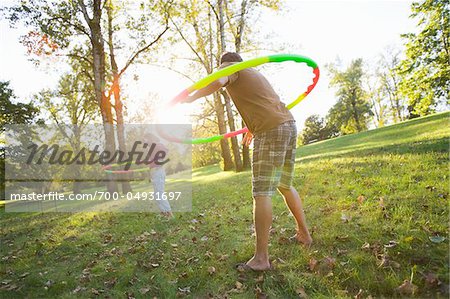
(230, 57)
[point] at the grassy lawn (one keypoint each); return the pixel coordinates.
(376, 202)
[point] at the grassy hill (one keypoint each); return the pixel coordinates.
(376, 202)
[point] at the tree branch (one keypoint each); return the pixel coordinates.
(135, 55)
(188, 43)
(85, 13)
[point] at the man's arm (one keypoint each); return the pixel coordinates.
(207, 90)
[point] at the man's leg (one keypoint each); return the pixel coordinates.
(262, 214)
(294, 203)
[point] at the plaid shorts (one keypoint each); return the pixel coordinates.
(273, 159)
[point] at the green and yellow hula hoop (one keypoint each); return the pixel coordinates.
(239, 67)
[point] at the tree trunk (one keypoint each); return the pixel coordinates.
(229, 111)
(354, 111)
(98, 53)
(225, 149)
(246, 164)
(118, 106)
(234, 141)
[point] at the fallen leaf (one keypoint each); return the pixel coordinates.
(312, 264)
(144, 291)
(223, 257)
(260, 278)
(238, 285)
(204, 238)
(361, 199)
(183, 291)
(381, 203)
(365, 246)
(78, 289)
(391, 244)
(283, 240)
(344, 263)
(174, 245)
(260, 294)
(110, 283)
(301, 293)
(431, 188)
(342, 238)
(211, 270)
(24, 275)
(345, 218)
(432, 280)
(241, 268)
(155, 265)
(407, 288)
(330, 261)
(359, 295)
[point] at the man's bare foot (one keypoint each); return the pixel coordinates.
(303, 239)
(258, 264)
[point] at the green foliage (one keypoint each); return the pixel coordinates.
(10, 114)
(206, 153)
(14, 113)
(315, 129)
(426, 69)
(387, 94)
(352, 112)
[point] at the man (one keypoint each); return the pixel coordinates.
(274, 131)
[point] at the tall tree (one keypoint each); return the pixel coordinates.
(229, 109)
(12, 113)
(314, 130)
(77, 24)
(425, 71)
(195, 25)
(376, 95)
(389, 81)
(352, 111)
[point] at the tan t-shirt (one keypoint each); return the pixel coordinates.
(256, 100)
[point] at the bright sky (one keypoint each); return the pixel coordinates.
(322, 30)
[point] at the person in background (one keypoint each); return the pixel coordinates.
(158, 176)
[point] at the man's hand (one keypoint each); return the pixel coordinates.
(248, 137)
